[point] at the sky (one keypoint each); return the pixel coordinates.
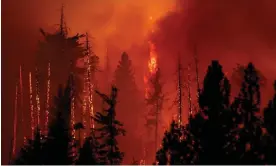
(231, 31)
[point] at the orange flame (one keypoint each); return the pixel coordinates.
(152, 64)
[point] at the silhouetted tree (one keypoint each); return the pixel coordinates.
(246, 145)
(270, 125)
(63, 52)
(178, 147)
(87, 154)
(109, 152)
(58, 146)
(32, 152)
(270, 115)
(213, 103)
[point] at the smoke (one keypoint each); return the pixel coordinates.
(231, 31)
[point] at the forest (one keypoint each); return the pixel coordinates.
(82, 125)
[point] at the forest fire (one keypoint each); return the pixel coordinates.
(98, 114)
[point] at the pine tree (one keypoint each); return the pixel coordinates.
(125, 82)
(32, 153)
(270, 115)
(62, 52)
(247, 146)
(178, 147)
(58, 146)
(155, 100)
(213, 103)
(128, 105)
(87, 154)
(270, 125)
(109, 130)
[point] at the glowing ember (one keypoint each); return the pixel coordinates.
(15, 122)
(73, 116)
(48, 97)
(37, 98)
(31, 104)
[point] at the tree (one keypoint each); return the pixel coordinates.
(270, 125)
(214, 104)
(58, 146)
(129, 104)
(247, 146)
(62, 52)
(270, 115)
(87, 154)
(109, 152)
(177, 147)
(155, 99)
(125, 82)
(32, 152)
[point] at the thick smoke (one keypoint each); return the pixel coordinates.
(229, 30)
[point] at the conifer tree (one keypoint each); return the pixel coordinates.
(32, 153)
(270, 125)
(62, 52)
(109, 129)
(58, 146)
(125, 82)
(87, 154)
(270, 115)
(155, 99)
(246, 145)
(214, 103)
(178, 147)
(129, 104)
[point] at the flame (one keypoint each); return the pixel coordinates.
(152, 63)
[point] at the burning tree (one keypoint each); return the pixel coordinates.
(91, 63)
(60, 52)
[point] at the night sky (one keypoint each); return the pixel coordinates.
(232, 31)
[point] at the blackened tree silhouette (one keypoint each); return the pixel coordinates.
(62, 52)
(213, 103)
(246, 145)
(154, 100)
(270, 115)
(87, 154)
(270, 125)
(58, 146)
(177, 147)
(32, 152)
(238, 75)
(109, 152)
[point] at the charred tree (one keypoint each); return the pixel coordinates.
(109, 129)
(248, 148)
(58, 146)
(63, 52)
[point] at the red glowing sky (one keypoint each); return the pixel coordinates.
(232, 31)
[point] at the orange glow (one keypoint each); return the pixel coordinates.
(152, 64)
